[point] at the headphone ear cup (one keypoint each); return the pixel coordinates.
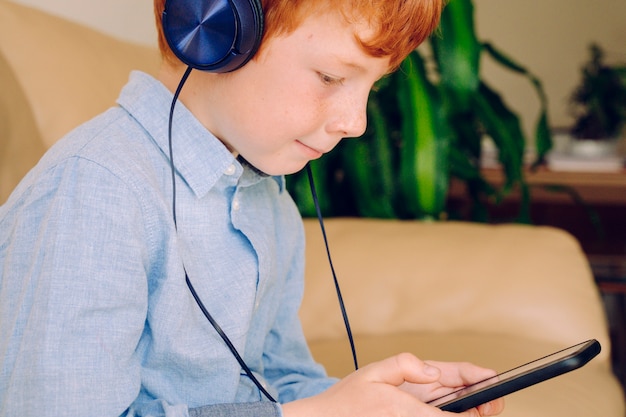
(213, 35)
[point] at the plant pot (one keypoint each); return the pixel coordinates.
(592, 148)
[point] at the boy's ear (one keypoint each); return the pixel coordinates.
(213, 35)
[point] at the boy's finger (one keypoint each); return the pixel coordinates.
(401, 368)
(456, 374)
(491, 408)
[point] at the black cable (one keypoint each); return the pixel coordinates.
(206, 313)
(344, 313)
(195, 295)
(169, 137)
(226, 340)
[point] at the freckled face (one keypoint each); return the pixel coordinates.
(304, 93)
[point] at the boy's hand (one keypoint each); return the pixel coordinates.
(397, 386)
(454, 376)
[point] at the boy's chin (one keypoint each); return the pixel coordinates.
(286, 171)
(278, 169)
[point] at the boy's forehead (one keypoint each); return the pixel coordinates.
(361, 29)
(329, 37)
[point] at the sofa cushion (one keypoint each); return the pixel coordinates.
(400, 276)
(494, 295)
(588, 391)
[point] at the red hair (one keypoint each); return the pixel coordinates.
(400, 25)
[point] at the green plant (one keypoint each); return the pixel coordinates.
(598, 103)
(426, 124)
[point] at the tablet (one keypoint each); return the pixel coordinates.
(520, 377)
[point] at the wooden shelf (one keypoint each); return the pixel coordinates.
(593, 208)
(592, 187)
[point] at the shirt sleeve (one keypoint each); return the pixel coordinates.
(73, 294)
(259, 409)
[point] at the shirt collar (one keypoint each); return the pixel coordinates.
(200, 158)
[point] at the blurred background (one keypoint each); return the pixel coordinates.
(549, 37)
(502, 150)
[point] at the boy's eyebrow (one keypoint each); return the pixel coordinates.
(349, 63)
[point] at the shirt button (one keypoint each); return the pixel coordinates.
(235, 205)
(230, 170)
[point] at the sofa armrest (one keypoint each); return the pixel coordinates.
(68, 71)
(21, 145)
(55, 74)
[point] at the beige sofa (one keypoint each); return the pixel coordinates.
(494, 295)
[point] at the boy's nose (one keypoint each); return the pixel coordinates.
(351, 119)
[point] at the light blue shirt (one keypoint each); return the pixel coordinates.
(95, 315)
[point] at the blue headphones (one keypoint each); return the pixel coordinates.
(213, 35)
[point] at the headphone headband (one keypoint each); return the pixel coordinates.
(213, 35)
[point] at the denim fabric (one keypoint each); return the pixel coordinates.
(95, 316)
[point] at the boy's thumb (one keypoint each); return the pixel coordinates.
(401, 368)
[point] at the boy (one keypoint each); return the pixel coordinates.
(95, 314)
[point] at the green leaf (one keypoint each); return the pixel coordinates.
(424, 171)
(368, 166)
(543, 136)
(503, 126)
(457, 51)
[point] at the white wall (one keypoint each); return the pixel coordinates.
(550, 37)
(127, 19)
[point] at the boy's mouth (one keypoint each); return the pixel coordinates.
(311, 153)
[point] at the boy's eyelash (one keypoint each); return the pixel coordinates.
(328, 80)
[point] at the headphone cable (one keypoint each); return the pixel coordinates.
(342, 306)
(199, 302)
(195, 295)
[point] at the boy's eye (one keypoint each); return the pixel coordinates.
(328, 80)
